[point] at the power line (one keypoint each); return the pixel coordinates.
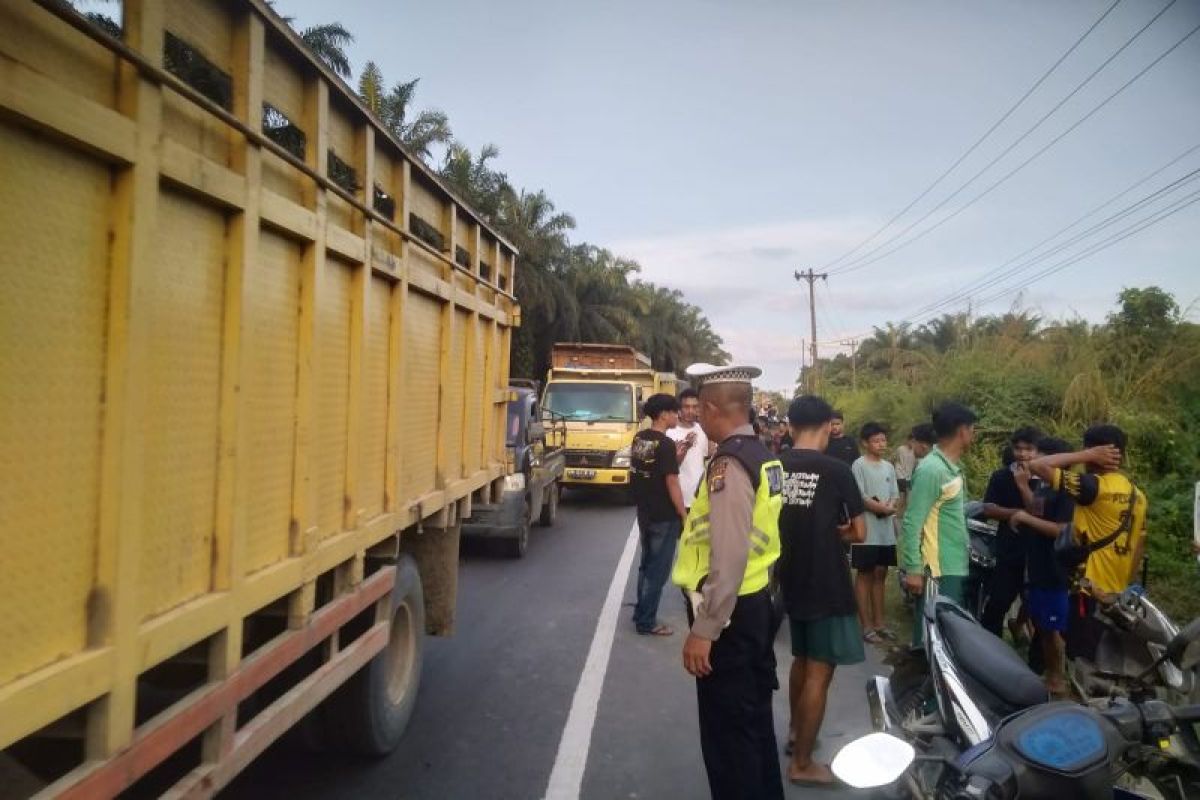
(978, 141)
(974, 285)
(867, 258)
(1107, 222)
(1026, 162)
(1137, 227)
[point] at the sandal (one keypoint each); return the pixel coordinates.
(872, 637)
(658, 630)
(886, 633)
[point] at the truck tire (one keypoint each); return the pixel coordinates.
(516, 546)
(369, 713)
(549, 505)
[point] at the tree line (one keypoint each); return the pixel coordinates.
(1139, 369)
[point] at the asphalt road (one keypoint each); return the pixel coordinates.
(495, 697)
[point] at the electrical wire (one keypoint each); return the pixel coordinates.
(1004, 117)
(1000, 274)
(1027, 161)
(972, 286)
(1136, 228)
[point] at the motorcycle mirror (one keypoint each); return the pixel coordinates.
(876, 759)
(1184, 649)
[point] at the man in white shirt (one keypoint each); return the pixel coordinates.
(691, 445)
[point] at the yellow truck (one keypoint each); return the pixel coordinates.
(253, 374)
(598, 389)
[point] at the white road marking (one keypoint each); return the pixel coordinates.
(566, 778)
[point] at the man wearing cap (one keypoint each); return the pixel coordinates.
(729, 542)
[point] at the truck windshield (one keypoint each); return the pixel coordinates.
(592, 402)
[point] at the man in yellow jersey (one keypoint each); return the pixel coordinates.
(723, 563)
(1110, 513)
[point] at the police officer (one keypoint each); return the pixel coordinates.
(729, 542)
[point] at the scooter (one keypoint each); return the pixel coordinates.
(1128, 660)
(952, 695)
(974, 686)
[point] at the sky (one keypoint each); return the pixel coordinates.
(725, 145)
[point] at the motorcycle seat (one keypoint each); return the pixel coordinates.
(988, 661)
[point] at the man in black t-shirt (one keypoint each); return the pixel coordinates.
(819, 491)
(841, 446)
(654, 480)
(1009, 490)
(1046, 592)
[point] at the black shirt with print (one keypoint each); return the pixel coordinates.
(652, 460)
(812, 570)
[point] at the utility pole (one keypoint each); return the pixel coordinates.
(853, 345)
(811, 277)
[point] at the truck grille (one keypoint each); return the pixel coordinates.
(589, 458)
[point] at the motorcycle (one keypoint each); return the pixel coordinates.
(1054, 751)
(965, 700)
(981, 552)
(1128, 660)
(952, 694)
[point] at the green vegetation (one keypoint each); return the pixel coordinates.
(1139, 370)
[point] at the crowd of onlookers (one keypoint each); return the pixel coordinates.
(854, 504)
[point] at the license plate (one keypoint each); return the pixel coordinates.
(581, 474)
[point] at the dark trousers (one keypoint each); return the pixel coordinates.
(658, 553)
(1002, 591)
(737, 727)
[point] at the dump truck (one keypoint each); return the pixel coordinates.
(255, 373)
(599, 390)
(536, 442)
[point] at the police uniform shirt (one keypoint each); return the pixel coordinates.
(731, 495)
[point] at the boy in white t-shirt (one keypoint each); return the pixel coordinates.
(691, 445)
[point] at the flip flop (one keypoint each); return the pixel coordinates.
(658, 630)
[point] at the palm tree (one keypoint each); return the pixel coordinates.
(392, 106)
(328, 42)
(481, 186)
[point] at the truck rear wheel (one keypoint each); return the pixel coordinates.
(550, 505)
(516, 546)
(370, 712)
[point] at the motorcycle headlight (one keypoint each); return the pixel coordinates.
(622, 458)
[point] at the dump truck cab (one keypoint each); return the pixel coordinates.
(598, 389)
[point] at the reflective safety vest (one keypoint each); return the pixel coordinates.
(766, 475)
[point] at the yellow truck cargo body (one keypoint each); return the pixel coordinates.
(229, 371)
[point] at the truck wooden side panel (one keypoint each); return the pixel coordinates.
(225, 370)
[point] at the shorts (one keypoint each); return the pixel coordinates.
(1048, 608)
(869, 556)
(832, 640)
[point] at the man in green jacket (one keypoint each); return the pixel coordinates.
(935, 524)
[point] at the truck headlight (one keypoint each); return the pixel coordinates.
(621, 459)
(514, 482)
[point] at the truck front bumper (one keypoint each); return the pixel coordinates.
(501, 520)
(589, 476)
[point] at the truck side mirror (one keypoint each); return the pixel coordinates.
(537, 430)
